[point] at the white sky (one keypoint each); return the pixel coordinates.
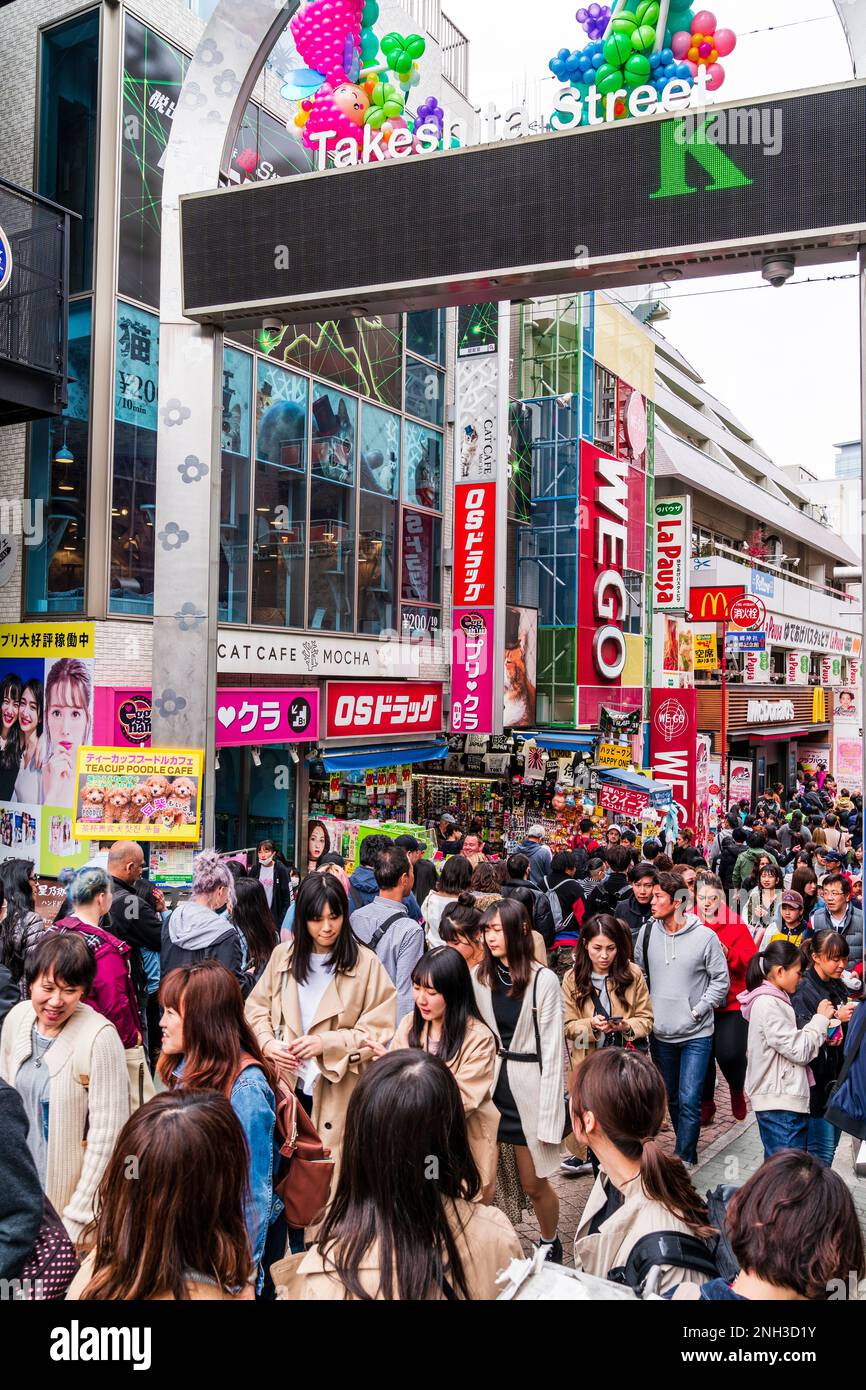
(785, 361)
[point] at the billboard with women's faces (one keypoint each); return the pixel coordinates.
(46, 715)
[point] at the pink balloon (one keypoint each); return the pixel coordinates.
(680, 44)
(693, 68)
(705, 49)
(725, 41)
(715, 77)
(704, 22)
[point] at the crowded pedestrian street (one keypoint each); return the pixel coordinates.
(431, 671)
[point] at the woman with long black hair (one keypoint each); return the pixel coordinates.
(321, 1000)
(521, 1002)
(446, 1022)
(10, 735)
(618, 1105)
(607, 1002)
(21, 927)
(28, 783)
(252, 917)
(404, 1222)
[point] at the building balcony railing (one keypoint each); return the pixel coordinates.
(786, 570)
(452, 41)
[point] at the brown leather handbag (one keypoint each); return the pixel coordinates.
(306, 1170)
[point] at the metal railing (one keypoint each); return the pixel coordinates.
(454, 44)
(729, 553)
(33, 305)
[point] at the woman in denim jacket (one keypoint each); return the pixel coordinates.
(208, 1045)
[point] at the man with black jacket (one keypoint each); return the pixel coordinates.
(518, 877)
(605, 896)
(131, 918)
(730, 853)
(634, 904)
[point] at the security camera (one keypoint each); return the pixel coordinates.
(563, 402)
(272, 325)
(778, 270)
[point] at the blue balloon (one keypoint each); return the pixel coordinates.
(597, 60)
(667, 55)
(670, 71)
(563, 53)
(684, 71)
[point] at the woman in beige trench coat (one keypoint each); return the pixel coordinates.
(320, 1001)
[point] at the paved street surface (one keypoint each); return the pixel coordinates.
(728, 1152)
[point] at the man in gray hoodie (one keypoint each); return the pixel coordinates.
(687, 975)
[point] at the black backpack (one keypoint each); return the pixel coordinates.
(713, 1257)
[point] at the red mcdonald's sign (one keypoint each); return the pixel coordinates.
(712, 605)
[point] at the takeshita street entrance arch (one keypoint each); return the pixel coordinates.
(651, 193)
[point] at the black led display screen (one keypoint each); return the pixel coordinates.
(532, 212)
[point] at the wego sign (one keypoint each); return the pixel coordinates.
(602, 594)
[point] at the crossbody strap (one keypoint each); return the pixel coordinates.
(386, 926)
(535, 1020)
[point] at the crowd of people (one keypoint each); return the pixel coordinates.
(393, 1065)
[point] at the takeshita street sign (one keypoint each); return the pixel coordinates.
(622, 203)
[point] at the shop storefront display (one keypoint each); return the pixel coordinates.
(330, 835)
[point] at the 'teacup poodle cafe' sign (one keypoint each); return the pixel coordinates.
(144, 794)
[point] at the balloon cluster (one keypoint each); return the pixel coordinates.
(369, 40)
(664, 67)
(431, 113)
(323, 32)
(702, 45)
(593, 20)
(402, 51)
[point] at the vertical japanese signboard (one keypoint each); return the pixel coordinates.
(673, 743)
(672, 534)
(480, 514)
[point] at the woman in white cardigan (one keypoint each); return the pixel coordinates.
(68, 1065)
(521, 1002)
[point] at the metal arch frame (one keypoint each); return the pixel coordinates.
(852, 17)
(225, 67)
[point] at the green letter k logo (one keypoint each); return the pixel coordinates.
(677, 144)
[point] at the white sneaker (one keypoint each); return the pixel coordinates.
(575, 1167)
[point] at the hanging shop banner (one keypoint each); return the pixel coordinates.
(623, 801)
(151, 794)
(757, 667)
(852, 671)
(788, 632)
(831, 670)
(846, 704)
(521, 665)
(798, 664)
(46, 708)
(847, 758)
(740, 778)
(614, 721)
(614, 755)
(364, 707)
(475, 545)
(137, 367)
(603, 548)
(706, 651)
(672, 533)
(673, 731)
(481, 446)
(255, 716)
(474, 671)
(703, 749)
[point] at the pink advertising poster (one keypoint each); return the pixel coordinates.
(847, 759)
(475, 672)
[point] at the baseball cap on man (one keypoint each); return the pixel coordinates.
(535, 832)
(447, 819)
(409, 843)
(791, 898)
(832, 856)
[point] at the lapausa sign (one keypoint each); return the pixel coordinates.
(671, 547)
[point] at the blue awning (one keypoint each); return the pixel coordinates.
(572, 743)
(368, 759)
(659, 793)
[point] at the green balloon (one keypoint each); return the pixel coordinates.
(617, 50)
(637, 70)
(606, 71)
(648, 12)
(643, 38)
(613, 83)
